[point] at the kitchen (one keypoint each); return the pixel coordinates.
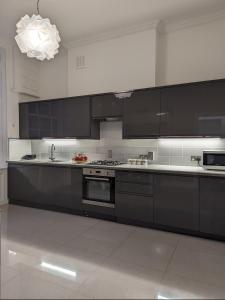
(115, 154)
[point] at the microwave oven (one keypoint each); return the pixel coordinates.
(214, 160)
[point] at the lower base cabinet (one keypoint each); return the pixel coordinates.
(24, 183)
(212, 206)
(45, 186)
(173, 202)
(135, 208)
(177, 201)
(134, 197)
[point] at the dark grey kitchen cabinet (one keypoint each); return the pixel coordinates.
(196, 109)
(141, 114)
(134, 197)
(132, 207)
(177, 201)
(24, 183)
(77, 122)
(41, 120)
(29, 122)
(107, 105)
(48, 187)
(60, 118)
(61, 187)
(212, 206)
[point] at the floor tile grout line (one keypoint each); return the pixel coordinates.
(171, 258)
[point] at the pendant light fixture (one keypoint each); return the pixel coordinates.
(37, 37)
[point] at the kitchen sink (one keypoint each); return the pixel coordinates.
(56, 160)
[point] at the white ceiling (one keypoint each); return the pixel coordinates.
(79, 18)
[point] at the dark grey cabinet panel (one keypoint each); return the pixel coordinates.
(134, 207)
(106, 105)
(41, 119)
(45, 186)
(134, 177)
(135, 188)
(134, 201)
(24, 183)
(141, 114)
(29, 124)
(196, 109)
(58, 185)
(177, 201)
(60, 118)
(212, 206)
(76, 117)
(76, 188)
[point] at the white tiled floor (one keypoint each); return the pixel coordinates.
(52, 255)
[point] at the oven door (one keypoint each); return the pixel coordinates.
(99, 191)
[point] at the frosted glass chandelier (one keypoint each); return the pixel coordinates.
(37, 37)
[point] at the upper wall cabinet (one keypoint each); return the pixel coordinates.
(61, 118)
(107, 105)
(141, 114)
(196, 109)
(77, 118)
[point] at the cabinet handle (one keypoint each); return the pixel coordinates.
(161, 114)
(123, 95)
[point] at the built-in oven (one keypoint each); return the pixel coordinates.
(214, 160)
(99, 187)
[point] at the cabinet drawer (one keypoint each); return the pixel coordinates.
(134, 188)
(133, 207)
(134, 177)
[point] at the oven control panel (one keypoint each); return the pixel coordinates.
(99, 172)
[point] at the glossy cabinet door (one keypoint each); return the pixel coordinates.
(212, 206)
(107, 105)
(141, 114)
(211, 118)
(134, 201)
(45, 118)
(57, 187)
(60, 118)
(77, 121)
(29, 121)
(134, 207)
(45, 186)
(24, 183)
(177, 201)
(179, 110)
(76, 188)
(196, 109)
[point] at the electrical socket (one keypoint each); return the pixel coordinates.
(196, 158)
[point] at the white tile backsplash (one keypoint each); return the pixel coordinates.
(167, 151)
(19, 148)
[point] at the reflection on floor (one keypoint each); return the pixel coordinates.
(52, 255)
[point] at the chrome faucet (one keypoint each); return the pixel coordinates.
(52, 152)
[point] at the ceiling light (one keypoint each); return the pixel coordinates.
(37, 37)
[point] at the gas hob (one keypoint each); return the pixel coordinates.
(110, 163)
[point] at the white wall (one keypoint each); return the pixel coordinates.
(54, 77)
(138, 60)
(26, 73)
(3, 187)
(12, 113)
(117, 64)
(192, 54)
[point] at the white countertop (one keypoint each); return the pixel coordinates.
(150, 168)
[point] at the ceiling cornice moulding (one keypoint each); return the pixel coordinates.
(107, 35)
(166, 27)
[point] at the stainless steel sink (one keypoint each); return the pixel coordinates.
(55, 161)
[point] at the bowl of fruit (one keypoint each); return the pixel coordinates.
(80, 158)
